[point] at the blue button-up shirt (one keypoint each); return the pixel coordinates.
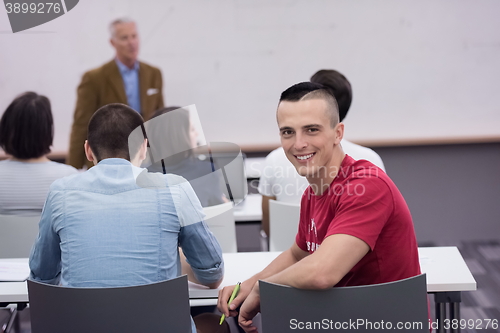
(131, 82)
(100, 229)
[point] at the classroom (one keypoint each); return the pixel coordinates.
(424, 76)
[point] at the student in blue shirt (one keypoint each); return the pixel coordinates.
(101, 229)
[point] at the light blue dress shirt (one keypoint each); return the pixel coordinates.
(100, 229)
(131, 82)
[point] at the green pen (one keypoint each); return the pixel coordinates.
(233, 296)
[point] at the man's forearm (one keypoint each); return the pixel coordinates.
(323, 269)
(285, 260)
(192, 277)
(186, 269)
(305, 274)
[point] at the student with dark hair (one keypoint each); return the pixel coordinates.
(279, 181)
(109, 131)
(178, 139)
(101, 229)
(355, 227)
(26, 134)
(338, 85)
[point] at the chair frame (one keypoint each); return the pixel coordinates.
(284, 308)
(156, 307)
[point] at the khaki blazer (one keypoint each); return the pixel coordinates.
(102, 86)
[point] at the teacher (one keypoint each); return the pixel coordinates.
(122, 80)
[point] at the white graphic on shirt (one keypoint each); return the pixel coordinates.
(313, 227)
(313, 244)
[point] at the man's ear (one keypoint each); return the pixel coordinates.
(89, 153)
(339, 133)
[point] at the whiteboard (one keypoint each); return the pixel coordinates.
(420, 70)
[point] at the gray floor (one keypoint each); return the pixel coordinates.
(483, 259)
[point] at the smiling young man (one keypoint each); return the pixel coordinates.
(124, 80)
(355, 227)
(279, 181)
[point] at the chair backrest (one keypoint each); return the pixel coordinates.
(283, 224)
(363, 308)
(220, 221)
(157, 307)
(17, 235)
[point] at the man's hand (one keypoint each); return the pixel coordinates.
(225, 294)
(249, 309)
(283, 261)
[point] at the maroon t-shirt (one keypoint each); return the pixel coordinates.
(363, 202)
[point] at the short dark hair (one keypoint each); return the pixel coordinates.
(309, 90)
(27, 127)
(296, 92)
(338, 86)
(109, 130)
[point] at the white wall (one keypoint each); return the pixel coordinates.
(425, 69)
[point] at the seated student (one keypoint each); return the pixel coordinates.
(26, 134)
(280, 181)
(178, 139)
(100, 228)
(355, 226)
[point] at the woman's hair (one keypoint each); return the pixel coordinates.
(27, 127)
(174, 136)
(337, 85)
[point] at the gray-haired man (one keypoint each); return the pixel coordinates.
(122, 80)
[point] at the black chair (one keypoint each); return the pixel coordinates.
(372, 308)
(157, 307)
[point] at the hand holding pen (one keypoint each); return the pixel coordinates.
(233, 296)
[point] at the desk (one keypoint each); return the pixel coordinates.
(14, 292)
(447, 277)
(250, 209)
(445, 268)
